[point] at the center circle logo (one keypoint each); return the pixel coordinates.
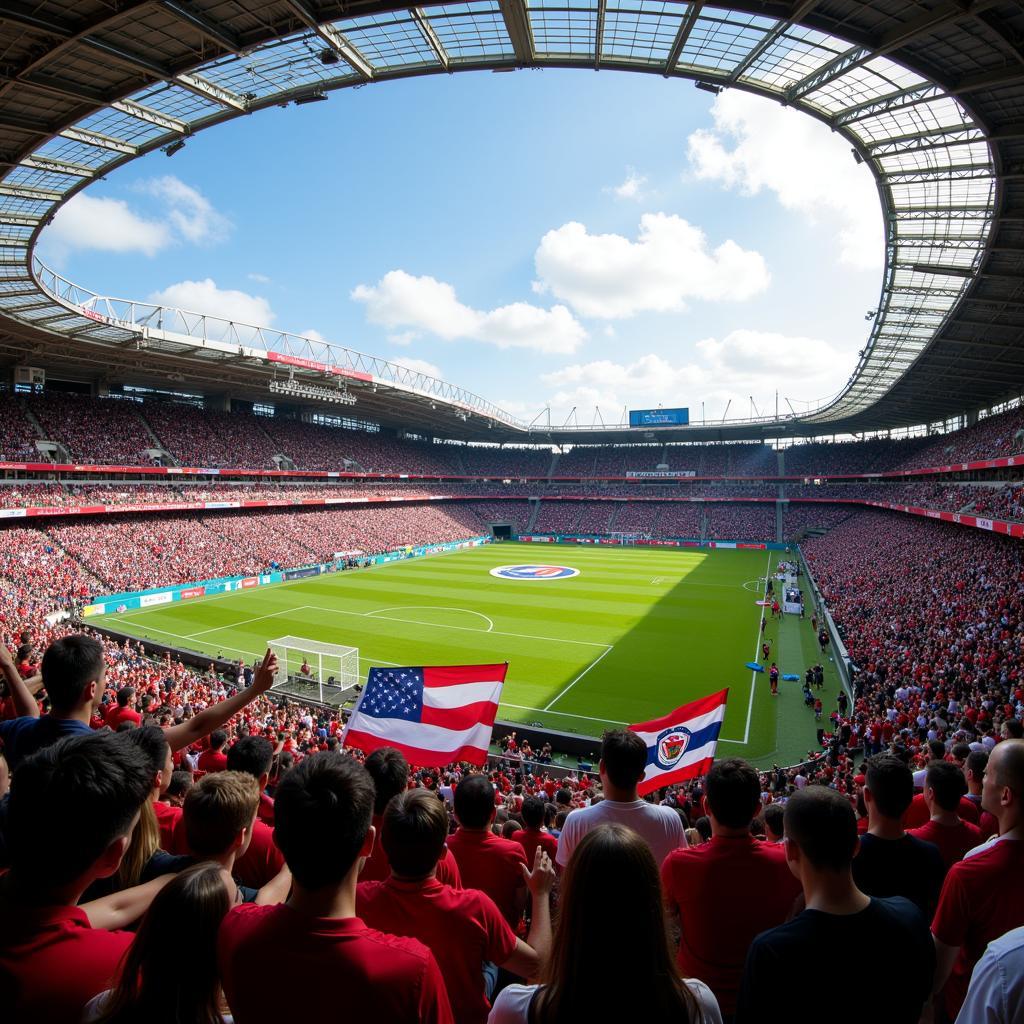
(534, 572)
(671, 745)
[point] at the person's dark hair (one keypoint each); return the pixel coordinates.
(124, 695)
(960, 751)
(181, 783)
(611, 889)
(217, 808)
(390, 773)
(937, 749)
(947, 782)
(69, 665)
(703, 827)
(773, 815)
(70, 801)
(891, 783)
(150, 740)
(322, 812)
(217, 739)
(563, 797)
(560, 818)
(413, 832)
(533, 812)
(624, 755)
(185, 914)
(975, 763)
(474, 801)
(252, 755)
(1014, 728)
(733, 791)
(550, 813)
(823, 824)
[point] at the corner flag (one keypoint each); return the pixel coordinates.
(682, 744)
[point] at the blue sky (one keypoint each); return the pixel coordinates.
(541, 237)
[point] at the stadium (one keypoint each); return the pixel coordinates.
(771, 654)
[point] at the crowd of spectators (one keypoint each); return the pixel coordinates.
(17, 436)
(740, 522)
(799, 518)
(1004, 503)
(203, 437)
(103, 431)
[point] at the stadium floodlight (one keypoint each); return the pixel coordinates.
(311, 97)
(174, 147)
(708, 87)
(299, 389)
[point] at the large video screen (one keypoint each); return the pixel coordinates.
(659, 417)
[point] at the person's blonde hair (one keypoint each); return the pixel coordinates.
(144, 843)
(217, 808)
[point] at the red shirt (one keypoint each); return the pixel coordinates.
(167, 818)
(115, 715)
(953, 841)
(373, 977)
(266, 811)
(918, 813)
(530, 839)
(211, 760)
(982, 898)
(463, 927)
(262, 860)
(376, 867)
(52, 962)
(493, 866)
(726, 891)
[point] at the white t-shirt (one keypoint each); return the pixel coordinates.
(97, 1005)
(513, 1004)
(996, 992)
(660, 826)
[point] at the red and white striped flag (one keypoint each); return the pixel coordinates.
(433, 715)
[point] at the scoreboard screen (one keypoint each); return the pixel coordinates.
(659, 417)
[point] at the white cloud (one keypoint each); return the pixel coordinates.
(258, 278)
(742, 364)
(191, 215)
(610, 276)
(399, 300)
(403, 338)
(228, 304)
(632, 187)
(421, 366)
(757, 144)
(311, 334)
(107, 225)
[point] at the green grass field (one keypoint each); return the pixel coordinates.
(635, 634)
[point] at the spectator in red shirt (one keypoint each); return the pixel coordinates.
(322, 811)
(727, 891)
(983, 896)
(390, 773)
(124, 709)
(944, 786)
(151, 986)
(254, 755)
(533, 836)
(462, 926)
(71, 812)
(213, 759)
(487, 862)
(974, 773)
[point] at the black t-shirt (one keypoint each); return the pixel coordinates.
(802, 968)
(907, 866)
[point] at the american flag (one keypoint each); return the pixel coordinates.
(433, 715)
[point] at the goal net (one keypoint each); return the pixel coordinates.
(314, 670)
(628, 538)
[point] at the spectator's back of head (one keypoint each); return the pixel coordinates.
(252, 755)
(624, 756)
(1013, 729)
(70, 665)
(217, 739)
(322, 813)
(773, 815)
(563, 797)
(218, 807)
(533, 812)
(71, 802)
(474, 801)
(733, 792)
(181, 783)
(823, 825)
(891, 785)
(125, 695)
(1006, 766)
(975, 764)
(414, 831)
(947, 784)
(390, 773)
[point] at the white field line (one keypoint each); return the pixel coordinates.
(376, 614)
(603, 654)
(245, 622)
(753, 673)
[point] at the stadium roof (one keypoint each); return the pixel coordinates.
(930, 94)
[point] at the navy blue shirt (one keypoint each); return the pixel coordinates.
(22, 737)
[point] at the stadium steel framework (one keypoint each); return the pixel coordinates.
(929, 93)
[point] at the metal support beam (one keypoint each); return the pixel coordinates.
(210, 91)
(19, 221)
(34, 194)
(602, 10)
(957, 172)
(891, 101)
(1011, 75)
(835, 68)
(216, 33)
(135, 61)
(520, 31)
(100, 141)
(682, 34)
(430, 37)
(19, 14)
(59, 87)
(31, 125)
(143, 113)
(334, 39)
(51, 166)
(771, 37)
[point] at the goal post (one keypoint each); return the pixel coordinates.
(626, 539)
(305, 667)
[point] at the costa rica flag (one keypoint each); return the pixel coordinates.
(681, 745)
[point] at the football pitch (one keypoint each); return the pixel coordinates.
(634, 634)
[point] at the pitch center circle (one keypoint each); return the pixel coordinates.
(534, 572)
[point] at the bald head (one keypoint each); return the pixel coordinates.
(1007, 765)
